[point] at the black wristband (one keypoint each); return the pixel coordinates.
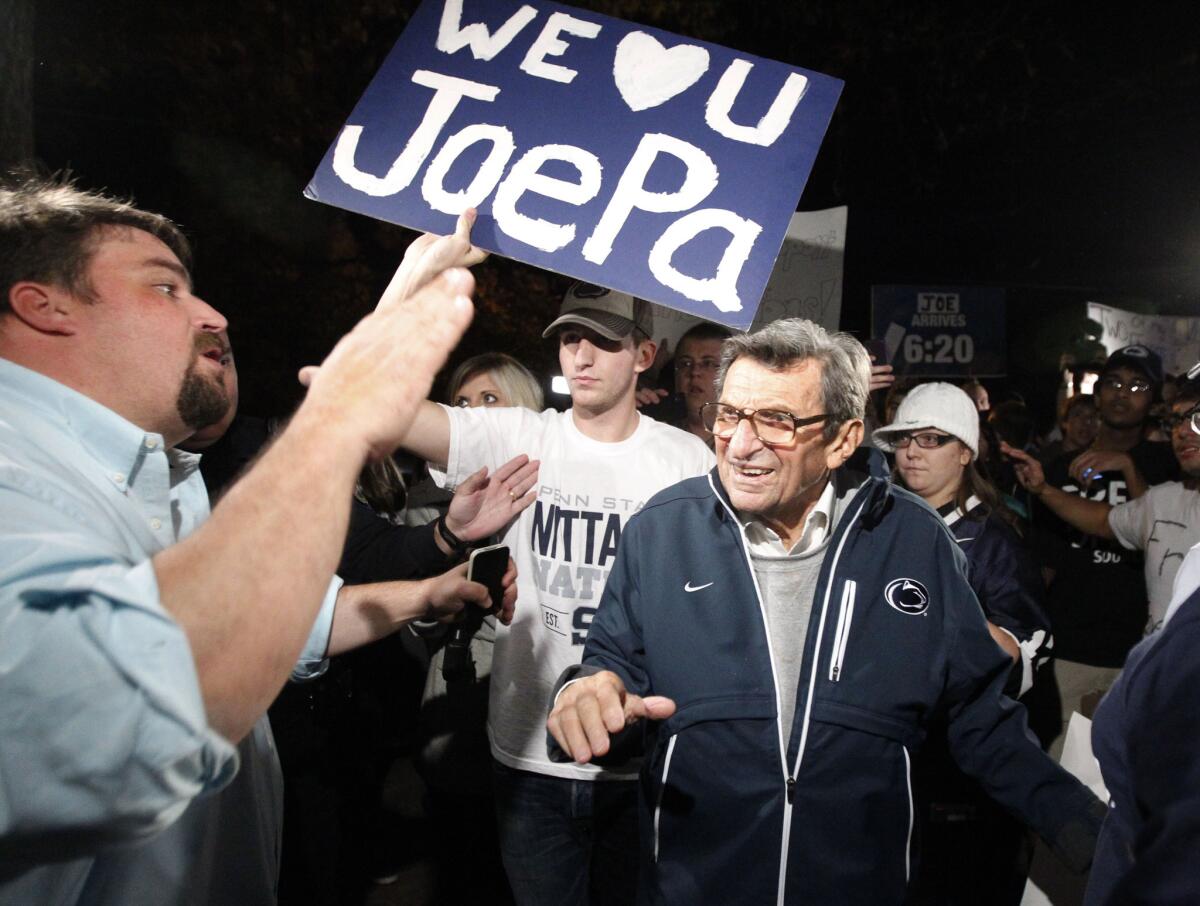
(457, 545)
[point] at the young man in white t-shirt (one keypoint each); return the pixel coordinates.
(568, 832)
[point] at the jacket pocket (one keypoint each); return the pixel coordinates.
(854, 784)
(842, 631)
(715, 786)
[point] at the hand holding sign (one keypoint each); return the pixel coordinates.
(368, 390)
(428, 255)
(647, 164)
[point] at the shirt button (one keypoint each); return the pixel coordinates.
(151, 443)
(156, 524)
(118, 477)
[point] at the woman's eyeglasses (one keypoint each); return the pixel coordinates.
(926, 440)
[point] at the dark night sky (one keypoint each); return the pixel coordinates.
(1012, 144)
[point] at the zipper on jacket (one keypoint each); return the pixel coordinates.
(789, 778)
(908, 841)
(842, 632)
(661, 790)
(783, 769)
(790, 782)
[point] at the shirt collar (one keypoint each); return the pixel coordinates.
(119, 446)
(765, 541)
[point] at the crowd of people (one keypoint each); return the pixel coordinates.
(775, 628)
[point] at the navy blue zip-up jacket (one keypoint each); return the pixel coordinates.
(734, 814)
(1009, 587)
(1146, 735)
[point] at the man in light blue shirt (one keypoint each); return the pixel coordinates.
(139, 643)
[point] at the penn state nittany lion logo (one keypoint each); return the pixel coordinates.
(907, 596)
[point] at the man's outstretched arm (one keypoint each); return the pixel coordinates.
(428, 435)
(366, 613)
(247, 585)
(1089, 516)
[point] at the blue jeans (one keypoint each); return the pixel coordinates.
(567, 842)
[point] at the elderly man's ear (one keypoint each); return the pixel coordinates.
(45, 308)
(844, 443)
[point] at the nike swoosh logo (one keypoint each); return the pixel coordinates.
(689, 587)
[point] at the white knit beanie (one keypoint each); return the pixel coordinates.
(936, 405)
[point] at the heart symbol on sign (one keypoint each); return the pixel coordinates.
(648, 74)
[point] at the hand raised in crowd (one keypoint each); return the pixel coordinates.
(589, 711)
(448, 594)
(881, 376)
(429, 254)
(378, 374)
(650, 396)
(484, 504)
(1028, 470)
(420, 318)
(1087, 466)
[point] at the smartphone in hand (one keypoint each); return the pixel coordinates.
(487, 566)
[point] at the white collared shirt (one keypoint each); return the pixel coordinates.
(764, 541)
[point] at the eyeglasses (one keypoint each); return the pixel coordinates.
(1137, 385)
(769, 425)
(1191, 417)
(701, 365)
(925, 440)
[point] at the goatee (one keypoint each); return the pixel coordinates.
(202, 401)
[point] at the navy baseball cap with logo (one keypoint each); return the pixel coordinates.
(1140, 358)
(612, 314)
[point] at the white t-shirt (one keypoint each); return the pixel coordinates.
(1165, 523)
(563, 546)
(1187, 580)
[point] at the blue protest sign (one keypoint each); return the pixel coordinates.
(625, 156)
(941, 331)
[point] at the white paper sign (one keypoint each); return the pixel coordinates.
(1176, 339)
(806, 281)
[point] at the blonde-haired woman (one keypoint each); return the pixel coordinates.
(494, 379)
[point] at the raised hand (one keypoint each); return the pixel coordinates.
(649, 396)
(429, 255)
(1028, 470)
(482, 505)
(378, 374)
(881, 376)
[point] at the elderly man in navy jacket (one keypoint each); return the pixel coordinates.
(777, 636)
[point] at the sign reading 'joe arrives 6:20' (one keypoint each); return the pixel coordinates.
(941, 331)
(620, 154)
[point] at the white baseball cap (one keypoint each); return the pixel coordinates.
(936, 405)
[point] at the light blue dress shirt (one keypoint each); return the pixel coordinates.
(107, 763)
